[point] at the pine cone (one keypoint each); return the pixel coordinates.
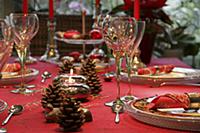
(88, 66)
(66, 66)
(94, 83)
(89, 71)
(72, 117)
(52, 96)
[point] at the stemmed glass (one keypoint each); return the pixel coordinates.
(130, 55)
(119, 34)
(24, 29)
(6, 43)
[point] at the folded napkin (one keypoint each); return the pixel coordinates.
(153, 70)
(170, 101)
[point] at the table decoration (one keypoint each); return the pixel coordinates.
(136, 61)
(88, 70)
(51, 54)
(188, 119)
(66, 66)
(72, 117)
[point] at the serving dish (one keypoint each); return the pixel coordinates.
(80, 41)
(137, 110)
(15, 77)
(178, 74)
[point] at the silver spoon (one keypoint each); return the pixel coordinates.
(45, 76)
(14, 110)
(118, 107)
(3, 130)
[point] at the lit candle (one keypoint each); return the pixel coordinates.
(136, 9)
(70, 76)
(25, 6)
(51, 9)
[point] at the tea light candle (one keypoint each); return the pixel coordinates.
(70, 76)
(136, 9)
(51, 12)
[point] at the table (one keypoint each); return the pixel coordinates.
(32, 119)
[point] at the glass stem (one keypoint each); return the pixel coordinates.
(128, 65)
(22, 58)
(118, 69)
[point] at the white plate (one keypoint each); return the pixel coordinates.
(15, 78)
(177, 75)
(162, 119)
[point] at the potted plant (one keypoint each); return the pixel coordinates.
(176, 42)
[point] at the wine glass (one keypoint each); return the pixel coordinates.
(6, 43)
(23, 27)
(130, 55)
(29, 58)
(119, 33)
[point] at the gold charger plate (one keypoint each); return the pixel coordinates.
(173, 121)
(178, 74)
(15, 78)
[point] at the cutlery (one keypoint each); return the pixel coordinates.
(174, 83)
(3, 130)
(27, 86)
(14, 110)
(45, 76)
(118, 107)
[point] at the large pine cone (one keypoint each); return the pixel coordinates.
(52, 97)
(72, 117)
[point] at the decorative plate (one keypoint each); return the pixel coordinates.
(80, 41)
(177, 75)
(3, 105)
(15, 77)
(162, 119)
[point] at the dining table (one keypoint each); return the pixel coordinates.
(32, 119)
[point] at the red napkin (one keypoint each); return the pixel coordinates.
(155, 70)
(170, 101)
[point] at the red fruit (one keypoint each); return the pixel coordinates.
(95, 34)
(72, 34)
(75, 54)
(13, 67)
(96, 56)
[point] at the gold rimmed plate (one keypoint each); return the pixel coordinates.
(138, 111)
(178, 74)
(10, 78)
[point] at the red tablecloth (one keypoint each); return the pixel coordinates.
(32, 119)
